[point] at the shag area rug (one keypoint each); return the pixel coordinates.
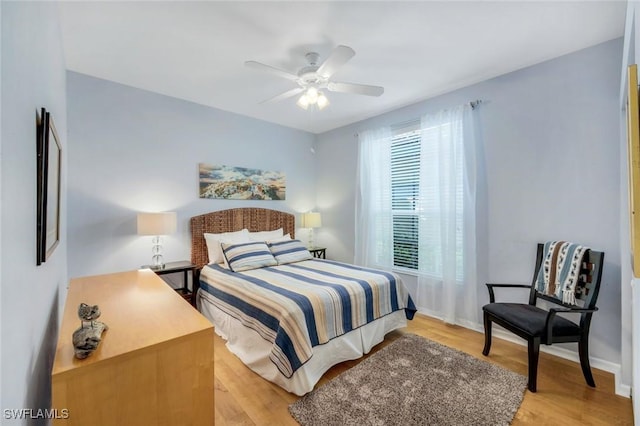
(415, 381)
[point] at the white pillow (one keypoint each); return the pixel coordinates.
(286, 237)
(266, 235)
(213, 243)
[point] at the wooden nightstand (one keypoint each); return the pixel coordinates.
(318, 252)
(185, 267)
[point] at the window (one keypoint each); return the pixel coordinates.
(415, 207)
(419, 210)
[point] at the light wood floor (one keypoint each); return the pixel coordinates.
(563, 398)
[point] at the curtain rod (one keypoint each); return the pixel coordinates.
(473, 104)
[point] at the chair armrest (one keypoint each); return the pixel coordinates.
(552, 313)
(492, 297)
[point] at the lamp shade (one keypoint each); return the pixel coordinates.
(311, 220)
(157, 223)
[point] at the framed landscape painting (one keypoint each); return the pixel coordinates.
(239, 183)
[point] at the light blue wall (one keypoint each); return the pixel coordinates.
(33, 76)
(551, 153)
(132, 150)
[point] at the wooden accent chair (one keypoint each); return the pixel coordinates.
(538, 325)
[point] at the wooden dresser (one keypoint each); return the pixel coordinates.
(154, 365)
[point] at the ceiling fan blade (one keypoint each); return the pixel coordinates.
(338, 57)
(359, 89)
(285, 95)
(272, 70)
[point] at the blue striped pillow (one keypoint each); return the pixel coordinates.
(289, 251)
(245, 256)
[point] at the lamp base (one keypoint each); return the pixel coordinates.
(157, 261)
(310, 240)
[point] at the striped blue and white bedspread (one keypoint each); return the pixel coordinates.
(301, 305)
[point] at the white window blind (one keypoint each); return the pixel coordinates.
(405, 184)
(417, 164)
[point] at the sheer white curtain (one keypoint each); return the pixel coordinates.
(447, 229)
(374, 218)
(445, 208)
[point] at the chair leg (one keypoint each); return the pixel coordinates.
(487, 335)
(583, 349)
(534, 354)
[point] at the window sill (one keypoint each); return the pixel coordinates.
(404, 271)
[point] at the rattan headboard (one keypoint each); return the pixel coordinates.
(254, 219)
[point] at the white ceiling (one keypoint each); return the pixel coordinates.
(415, 50)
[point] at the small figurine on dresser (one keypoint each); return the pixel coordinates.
(87, 338)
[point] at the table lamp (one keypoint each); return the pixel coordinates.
(157, 224)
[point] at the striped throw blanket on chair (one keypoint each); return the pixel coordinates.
(560, 270)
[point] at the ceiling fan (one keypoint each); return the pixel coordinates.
(314, 78)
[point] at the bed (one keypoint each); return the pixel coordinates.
(292, 320)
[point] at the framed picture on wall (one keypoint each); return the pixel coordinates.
(240, 183)
(49, 159)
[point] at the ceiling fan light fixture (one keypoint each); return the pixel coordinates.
(322, 101)
(312, 95)
(303, 102)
